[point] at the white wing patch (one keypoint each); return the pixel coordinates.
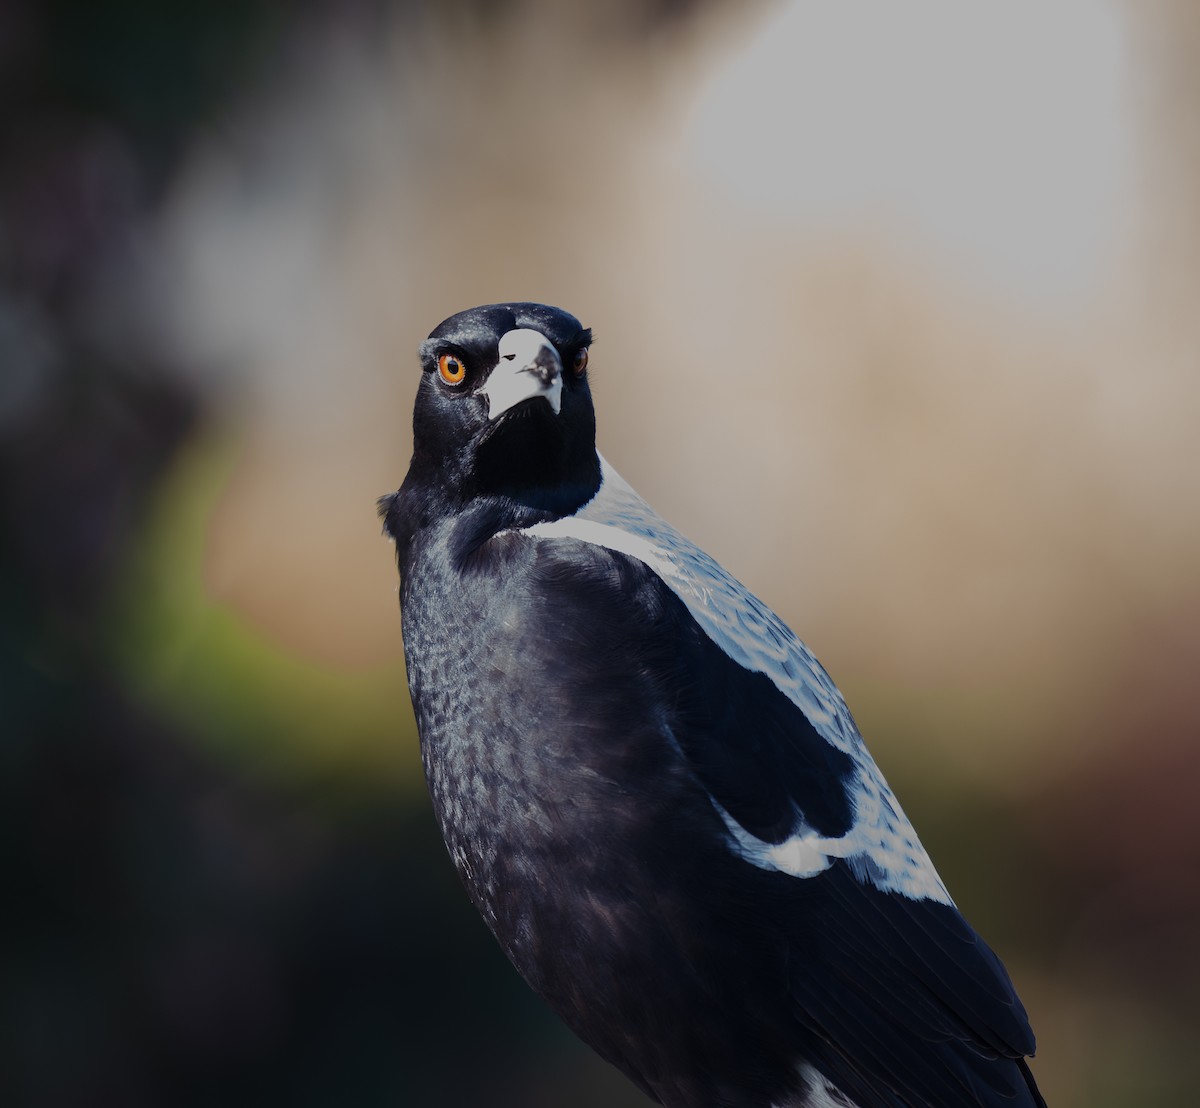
(822, 1093)
(881, 847)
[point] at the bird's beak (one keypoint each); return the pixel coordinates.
(528, 366)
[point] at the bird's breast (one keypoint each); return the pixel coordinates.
(546, 740)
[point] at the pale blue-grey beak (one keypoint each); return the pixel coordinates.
(528, 366)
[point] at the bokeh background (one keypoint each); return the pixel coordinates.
(897, 314)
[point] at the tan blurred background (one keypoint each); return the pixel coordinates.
(896, 315)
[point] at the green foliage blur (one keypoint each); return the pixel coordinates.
(223, 885)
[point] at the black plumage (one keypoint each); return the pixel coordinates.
(652, 791)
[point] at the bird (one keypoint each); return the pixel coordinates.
(653, 793)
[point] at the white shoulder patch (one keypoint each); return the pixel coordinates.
(881, 848)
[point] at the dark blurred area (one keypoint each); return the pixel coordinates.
(177, 931)
(224, 882)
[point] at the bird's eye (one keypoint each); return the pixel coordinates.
(580, 362)
(451, 369)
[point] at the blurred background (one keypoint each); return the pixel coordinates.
(896, 315)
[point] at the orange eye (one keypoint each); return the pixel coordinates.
(580, 362)
(451, 369)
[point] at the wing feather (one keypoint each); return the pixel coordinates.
(881, 846)
(904, 1003)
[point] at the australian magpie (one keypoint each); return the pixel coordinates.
(654, 794)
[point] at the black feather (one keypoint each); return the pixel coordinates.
(585, 741)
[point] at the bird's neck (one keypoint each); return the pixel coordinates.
(418, 516)
(434, 498)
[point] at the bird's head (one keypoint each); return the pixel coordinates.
(504, 407)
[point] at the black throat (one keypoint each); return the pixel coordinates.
(431, 498)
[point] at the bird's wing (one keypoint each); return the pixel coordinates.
(881, 845)
(904, 996)
(890, 966)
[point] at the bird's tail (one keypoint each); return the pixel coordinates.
(1038, 1100)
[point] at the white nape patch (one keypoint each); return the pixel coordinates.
(528, 366)
(881, 848)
